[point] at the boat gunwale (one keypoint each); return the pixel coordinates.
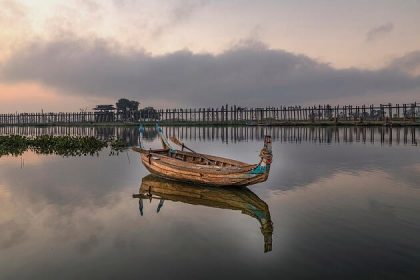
(236, 166)
(196, 168)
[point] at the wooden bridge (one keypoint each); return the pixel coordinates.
(398, 114)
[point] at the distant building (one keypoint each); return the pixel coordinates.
(104, 113)
(104, 108)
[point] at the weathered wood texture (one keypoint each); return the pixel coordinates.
(205, 169)
(234, 115)
(195, 168)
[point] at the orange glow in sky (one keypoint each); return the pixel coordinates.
(32, 97)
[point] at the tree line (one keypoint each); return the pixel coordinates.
(128, 110)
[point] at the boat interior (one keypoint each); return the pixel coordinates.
(201, 159)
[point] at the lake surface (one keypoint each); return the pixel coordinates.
(344, 203)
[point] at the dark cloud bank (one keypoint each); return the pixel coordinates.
(248, 74)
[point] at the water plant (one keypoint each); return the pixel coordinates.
(60, 145)
(13, 145)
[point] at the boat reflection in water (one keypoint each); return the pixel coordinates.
(242, 199)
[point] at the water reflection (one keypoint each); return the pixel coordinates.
(340, 211)
(242, 199)
(318, 134)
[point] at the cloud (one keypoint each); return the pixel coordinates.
(13, 234)
(14, 26)
(379, 31)
(179, 13)
(247, 74)
(185, 9)
(88, 245)
(11, 9)
(409, 63)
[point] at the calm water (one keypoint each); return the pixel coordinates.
(344, 203)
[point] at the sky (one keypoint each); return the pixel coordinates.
(71, 55)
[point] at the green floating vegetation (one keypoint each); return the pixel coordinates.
(59, 145)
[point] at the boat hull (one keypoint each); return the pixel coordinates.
(202, 168)
(200, 174)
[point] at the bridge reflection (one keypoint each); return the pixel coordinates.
(316, 134)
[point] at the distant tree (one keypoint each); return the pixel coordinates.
(127, 108)
(122, 105)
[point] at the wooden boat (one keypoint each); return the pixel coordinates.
(241, 199)
(189, 166)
